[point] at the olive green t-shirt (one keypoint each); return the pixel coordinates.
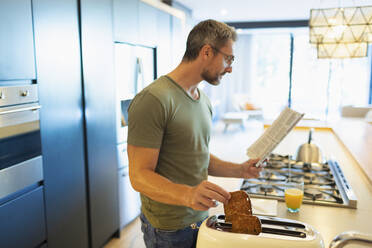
(164, 116)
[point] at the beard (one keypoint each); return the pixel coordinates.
(213, 79)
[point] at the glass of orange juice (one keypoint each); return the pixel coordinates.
(293, 194)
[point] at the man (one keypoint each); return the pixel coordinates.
(168, 137)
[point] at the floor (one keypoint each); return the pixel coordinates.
(224, 144)
(130, 237)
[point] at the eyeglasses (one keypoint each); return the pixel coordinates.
(229, 59)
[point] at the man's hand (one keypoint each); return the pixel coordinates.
(204, 196)
(249, 169)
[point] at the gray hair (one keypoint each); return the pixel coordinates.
(209, 32)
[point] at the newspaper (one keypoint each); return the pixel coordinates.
(273, 135)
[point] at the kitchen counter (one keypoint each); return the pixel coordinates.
(356, 135)
(329, 221)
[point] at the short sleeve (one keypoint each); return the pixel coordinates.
(146, 121)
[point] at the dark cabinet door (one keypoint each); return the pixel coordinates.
(16, 40)
(61, 121)
(100, 117)
(125, 20)
(22, 220)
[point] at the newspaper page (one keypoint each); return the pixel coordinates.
(273, 135)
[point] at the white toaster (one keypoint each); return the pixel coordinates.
(214, 232)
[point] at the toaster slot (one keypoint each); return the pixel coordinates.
(218, 222)
(284, 232)
(225, 226)
(272, 222)
(282, 223)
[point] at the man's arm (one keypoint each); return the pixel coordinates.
(144, 179)
(220, 168)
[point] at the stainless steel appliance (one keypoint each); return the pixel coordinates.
(20, 144)
(309, 152)
(324, 183)
(276, 232)
(21, 169)
(134, 70)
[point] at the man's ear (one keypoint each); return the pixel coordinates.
(206, 51)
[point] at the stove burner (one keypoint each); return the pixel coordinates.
(310, 176)
(278, 157)
(311, 166)
(313, 193)
(316, 167)
(276, 165)
(298, 165)
(269, 175)
(267, 188)
(302, 166)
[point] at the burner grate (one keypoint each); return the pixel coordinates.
(320, 184)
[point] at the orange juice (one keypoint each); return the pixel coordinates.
(293, 198)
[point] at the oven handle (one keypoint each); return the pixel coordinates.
(20, 110)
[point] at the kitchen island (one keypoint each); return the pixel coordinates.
(329, 221)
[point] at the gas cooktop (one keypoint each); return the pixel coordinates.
(324, 183)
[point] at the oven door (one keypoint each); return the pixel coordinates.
(20, 148)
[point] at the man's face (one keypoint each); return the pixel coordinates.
(220, 64)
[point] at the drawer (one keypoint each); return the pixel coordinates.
(122, 155)
(22, 221)
(19, 176)
(19, 94)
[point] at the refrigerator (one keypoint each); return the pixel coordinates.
(135, 69)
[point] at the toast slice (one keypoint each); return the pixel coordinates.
(238, 211)
(239, 203)
(249, 224)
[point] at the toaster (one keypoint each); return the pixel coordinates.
(214, 232)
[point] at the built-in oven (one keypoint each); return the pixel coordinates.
(21, 168)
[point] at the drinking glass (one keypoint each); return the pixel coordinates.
(293, 194)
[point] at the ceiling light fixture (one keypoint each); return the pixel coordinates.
(341, 32)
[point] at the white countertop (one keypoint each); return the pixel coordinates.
(329, 221)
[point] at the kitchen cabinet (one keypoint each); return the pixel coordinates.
(178, 40)
(147, 25)
(163, 51)
(100, 119)
(59, 78)
(126, 21)
(22, 220)
(17, 60)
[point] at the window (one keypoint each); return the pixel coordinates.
(319, 88)
(270, 72)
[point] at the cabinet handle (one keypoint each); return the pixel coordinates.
(24, 93)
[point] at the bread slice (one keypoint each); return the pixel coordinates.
(238, 211)
(239, 203)
(243, 223)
